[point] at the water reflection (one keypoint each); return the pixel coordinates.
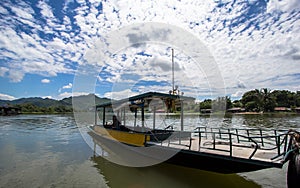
(44, 151)
(48, 151)
(165, 175)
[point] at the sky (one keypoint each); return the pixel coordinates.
(47, 45)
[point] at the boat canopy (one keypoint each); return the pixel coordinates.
(170, 102)
(145, 98)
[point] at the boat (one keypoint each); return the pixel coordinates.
(215, 149)
(222, 150)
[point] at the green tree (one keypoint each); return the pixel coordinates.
(237, 103)
(297, 98)
(267, 100)
(251, 100)
(206, 104)
(228, 102)
(259, 100)
(27, 107)
(285, 98)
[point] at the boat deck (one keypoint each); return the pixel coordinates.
(254, 144)
(223, 151)
(222, 148)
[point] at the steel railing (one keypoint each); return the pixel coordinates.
(279, 140)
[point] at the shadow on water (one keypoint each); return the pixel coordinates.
(165, 175)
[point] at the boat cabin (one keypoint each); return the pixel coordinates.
(114, 113)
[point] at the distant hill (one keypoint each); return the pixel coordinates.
(83, 102)
(37, 101)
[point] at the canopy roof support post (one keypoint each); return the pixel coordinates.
(96, 115)
(103, 116)
(135, 116)
(154, 114)
(181, 114)
(143, 118)
(118, 115)
(124, 116)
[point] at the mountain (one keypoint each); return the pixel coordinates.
(83, 102)
(37, 101)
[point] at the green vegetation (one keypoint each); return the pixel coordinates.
(51, 106)
(262, 100)
(31, 108)
(265, 100)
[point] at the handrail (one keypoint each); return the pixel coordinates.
(260, 140)
(262, 134)
(230, 142)
(279, 140)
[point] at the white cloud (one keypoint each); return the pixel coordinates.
(25, 13)
(30, 52)
(238, 94)
(283, 5)
(4, 11)
(3, 71)
(251, 59)
(45, 81)
(69, 86)
(120, 95)
(70, 94)
(6, 97)
(47, 97)
(16, 75)
(252, 49)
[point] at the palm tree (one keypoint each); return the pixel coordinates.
(267, 101)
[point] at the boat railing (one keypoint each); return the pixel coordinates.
(277, 142)
(263, 136)
(179, 138)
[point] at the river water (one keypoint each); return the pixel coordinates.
(49, 151)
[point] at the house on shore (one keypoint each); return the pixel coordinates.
(236, 110)
(8, 110)
(282, 109)
(297, 109)
(205, 111)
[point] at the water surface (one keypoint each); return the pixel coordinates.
(49, 151)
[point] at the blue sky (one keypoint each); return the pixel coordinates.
(255, 44)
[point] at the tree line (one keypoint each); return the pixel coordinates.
(257, 100)
(31, 108)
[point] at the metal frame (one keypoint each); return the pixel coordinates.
(280, 141)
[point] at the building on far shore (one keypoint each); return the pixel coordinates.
(8, 110)
(282, 109)
(297, 109)
(205, 111)
(236, 110)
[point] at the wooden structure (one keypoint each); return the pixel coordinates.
(236, 110)
(282, 109)
(8, 110)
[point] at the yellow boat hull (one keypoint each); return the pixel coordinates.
(131, 138)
